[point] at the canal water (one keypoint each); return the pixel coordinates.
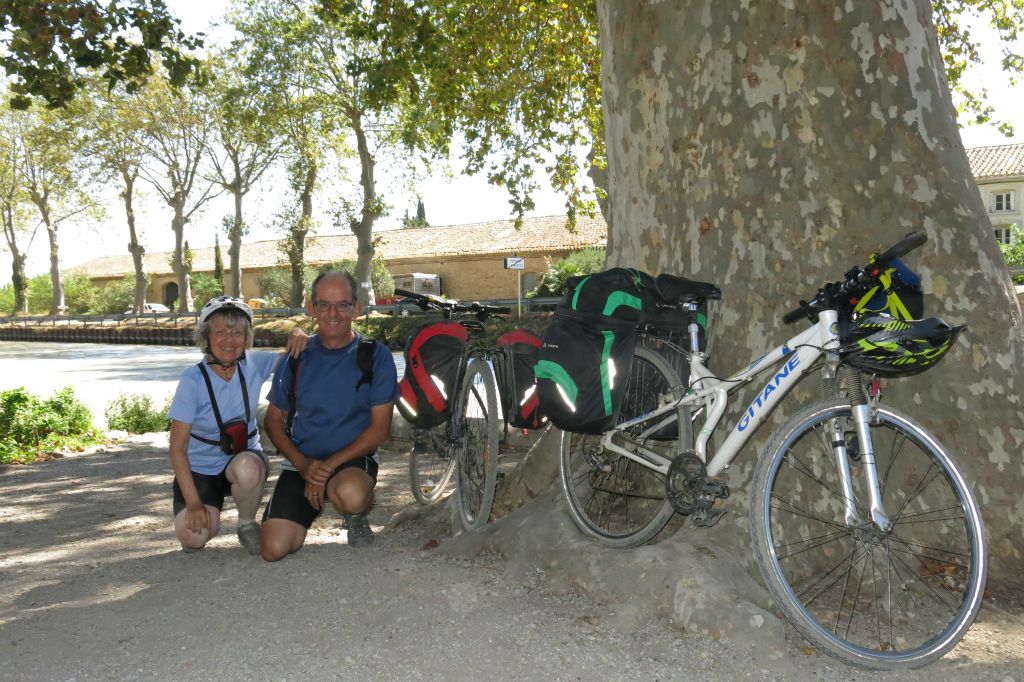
(99, 372)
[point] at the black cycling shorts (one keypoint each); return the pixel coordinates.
(289, 499)
(212, 488)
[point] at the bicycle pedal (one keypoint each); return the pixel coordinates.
(707, 517)
(717, 488)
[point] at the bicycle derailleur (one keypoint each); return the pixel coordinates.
(692, 493)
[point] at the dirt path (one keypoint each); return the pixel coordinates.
(94, 587)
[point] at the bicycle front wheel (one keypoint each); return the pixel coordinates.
(431, 464)
(616, 500)
(477, 445)
(873, 598)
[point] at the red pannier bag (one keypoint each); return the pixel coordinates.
(433, 366)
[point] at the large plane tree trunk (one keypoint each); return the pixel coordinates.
(769, 146)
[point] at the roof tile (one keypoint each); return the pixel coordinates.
(994, 162)
(537, 235)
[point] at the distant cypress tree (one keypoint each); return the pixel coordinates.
(421, 216)
(218, 262)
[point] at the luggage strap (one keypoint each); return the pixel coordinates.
(216, 410)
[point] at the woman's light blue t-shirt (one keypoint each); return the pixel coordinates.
(191, 405)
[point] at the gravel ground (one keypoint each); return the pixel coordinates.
(94, 587)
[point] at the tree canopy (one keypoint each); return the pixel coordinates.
(52, 46)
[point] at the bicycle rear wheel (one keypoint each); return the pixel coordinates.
(476, 447)
(875, 599)
(431, 464)
(616, 500)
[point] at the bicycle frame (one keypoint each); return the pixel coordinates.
(796, 356)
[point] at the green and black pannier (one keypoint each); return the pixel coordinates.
(586, 352)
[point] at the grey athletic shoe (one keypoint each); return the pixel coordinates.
(359, 532)
(249, 536)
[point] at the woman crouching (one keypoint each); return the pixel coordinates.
(215, 444)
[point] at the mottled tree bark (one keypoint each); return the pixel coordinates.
(296, 241)
(235, 247)
(767, 147)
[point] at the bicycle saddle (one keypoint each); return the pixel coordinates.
(675, 289)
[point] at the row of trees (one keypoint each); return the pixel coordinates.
(310, 87)
(313, 86)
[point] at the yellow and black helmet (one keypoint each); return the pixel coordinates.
(889, 347)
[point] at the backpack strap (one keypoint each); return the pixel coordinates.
(293, 364)
(216, 410)
(364, 358)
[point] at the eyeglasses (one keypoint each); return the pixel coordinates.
(340, 306)
(230, 333)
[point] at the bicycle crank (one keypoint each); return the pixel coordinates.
(692, 493)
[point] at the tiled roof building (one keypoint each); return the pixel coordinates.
(999, 173)
(468, 257)
(1003, 161)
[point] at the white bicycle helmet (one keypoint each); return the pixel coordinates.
(221, 302)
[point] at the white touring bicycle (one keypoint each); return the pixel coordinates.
(866, 533)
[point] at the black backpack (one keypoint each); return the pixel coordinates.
(517, 382)
(586, 353)
(364, 358)
(433, 367)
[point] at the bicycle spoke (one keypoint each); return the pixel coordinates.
(799, 511)
(807, 471)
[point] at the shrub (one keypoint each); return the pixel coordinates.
(30, 426)
(1014, 251)
(40, 294)
(380, 277)
(115, 297)
(135, 413)
(204, 287)
(7, 299)
(276, 285)
(584, 262)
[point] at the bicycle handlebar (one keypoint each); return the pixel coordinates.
(856, 281)
(905, 245)
(427, 301)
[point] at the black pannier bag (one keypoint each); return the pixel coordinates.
(433, 360)
(586, 352)
(517, 381)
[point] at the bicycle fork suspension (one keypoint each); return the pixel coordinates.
(861, 413)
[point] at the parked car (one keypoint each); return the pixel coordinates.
(151, 308)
